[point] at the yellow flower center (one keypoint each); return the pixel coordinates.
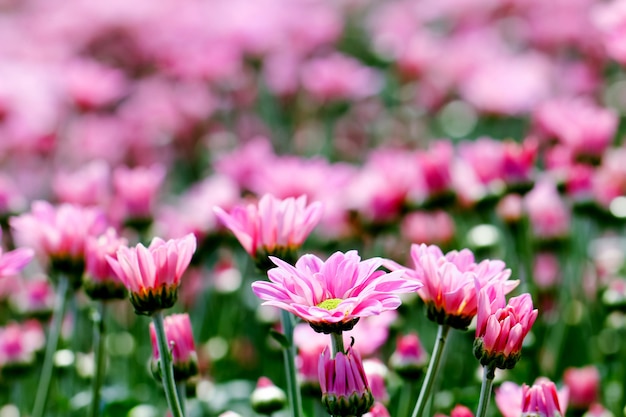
(330, 303)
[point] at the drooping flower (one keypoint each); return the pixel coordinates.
(501, 327)
(179, 337)
(541, 400)
(345, 390)
(451, 282)
(273, 226)
(58, 234)
(100, 281)
(152, 274)
(410, 358)
(331, 296)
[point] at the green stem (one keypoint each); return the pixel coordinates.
(289, 355)
(43, 388)
(485, 390)
(181, 390)
(433, 369)
(167, 370)
(336, 344)
(100, 356)
(404, 403)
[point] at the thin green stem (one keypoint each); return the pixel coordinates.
(181, 390)
(433, 369)
(167, 370)
(485, 390)
(289, 355)
(336, 344)
(404, 403)
(99, 356)
(43, 388)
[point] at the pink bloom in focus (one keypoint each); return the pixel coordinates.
(510, 396)
(451, 282)
(136, 190)
(541, 400)
(180, 340)
(100, 280)
(152, 274)
(345, 390)
(272, 226)
(58, 234)
(333, 295)
(501, 327)
(583, 384)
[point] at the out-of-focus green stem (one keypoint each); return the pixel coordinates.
(433, 369)
(289, 355)
(167, 369)
(43, 388)
(181, 389)
(99, 357)
(485, 390)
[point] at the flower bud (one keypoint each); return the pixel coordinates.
(267, 398)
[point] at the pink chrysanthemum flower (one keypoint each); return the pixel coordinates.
(273, 226)
(152, 274)
(510, 397)
(180, 339)
(331, 296)
(100, 281)
(452, 281)
(541, 400)
(58, 234)
(501, 327)
(345, 390)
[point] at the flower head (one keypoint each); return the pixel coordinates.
(409, 359)
(501, 327)
(583, 384)
(451, 282)
(152, 274)
(273, 226)
(345, 390)
(180, 338)
(331, 296)
(58, 234)
(510, 397)
(267, 398)
(12, 262)
(136, 191)
(19, 342)
(100, 280)
(541, 400)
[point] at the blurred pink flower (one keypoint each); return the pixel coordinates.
(179, 337)
(501, 327)
(549, 216)
(100, 280)
(152, 274)
(58, 233)
(546, 270)
(273, 226)
(345, 390)
(91, 85)
(409, 358)
(578, 123)
(377, 410)
(19, 342)
(429, 227)
(435, 164)
(90, 185)
(458, 411)
(13, 262)
(376, 373)
(451, 282)
(610, 19)
(584, 386)
(331, 296)
(137, 189)
(609, 182)
(339, 77)
(34, 297)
